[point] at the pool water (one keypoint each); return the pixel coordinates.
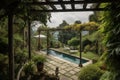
(67, 57)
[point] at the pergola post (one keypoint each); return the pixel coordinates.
(10, 46)
(80, 49)
(29, 39)
(47, 42)
(39, 41)
(62, 40)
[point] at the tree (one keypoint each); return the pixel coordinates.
(74, 42)
(95, 16)
(92, 17)
(77, 22)
(65, 35)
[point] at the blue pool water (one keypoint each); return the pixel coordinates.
(66, 57)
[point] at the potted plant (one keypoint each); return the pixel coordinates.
(29, 68)
(39, 60)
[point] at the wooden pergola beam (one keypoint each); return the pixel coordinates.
(70, 2)
(51, 5)
(72, 5)
(98, 4)
(84, 5)
(70, 10)
(62, 5)
(51, 29)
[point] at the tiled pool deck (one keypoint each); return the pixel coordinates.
(67, 70)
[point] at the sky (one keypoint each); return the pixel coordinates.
(69, 17)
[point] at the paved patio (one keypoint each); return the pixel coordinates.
(67, 70)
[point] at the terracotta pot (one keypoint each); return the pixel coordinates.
(40, 66)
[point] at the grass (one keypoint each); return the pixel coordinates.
(92, 36)
(89, 55)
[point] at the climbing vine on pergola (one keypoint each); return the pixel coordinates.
(90, 26)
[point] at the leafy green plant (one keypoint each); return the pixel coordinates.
(110, 76)
(39, 58)
(111, 28)
(30, 68)
(21, 56)
(3, 67)
(90, 72)
(87, 48)
(3, 45)
(74, 42)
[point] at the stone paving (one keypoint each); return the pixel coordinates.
(67, 70)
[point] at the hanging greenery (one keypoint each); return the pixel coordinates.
(90, 26)
(111, 29)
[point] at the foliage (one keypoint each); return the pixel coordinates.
(95, 16)
(21, 56)
(90, 55)
(73, 42)
(90, 26)
(21, 16)
(112, 40)
(110, 76)
(92, 17)
(63, 24)
(65, 35)
(39, 58)
(111, 28)
(3, 59)
(94, 36)
(87, 48)
(3, 67)
(90, 72)
(30, 68)
(85, 43)
(3, 45)
(77, 22)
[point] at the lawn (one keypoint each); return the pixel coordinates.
(89, 55)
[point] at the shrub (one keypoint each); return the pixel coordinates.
(39, 58)
(21, 56)
(3, 45)
(3, 67)
(90, 72)
(110, 76)
(30, 68)
(87, 48)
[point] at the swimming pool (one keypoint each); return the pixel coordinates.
(66, 57)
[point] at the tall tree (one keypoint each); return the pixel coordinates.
(64, 36)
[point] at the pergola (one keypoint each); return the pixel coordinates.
(83, 6)
(71, 5)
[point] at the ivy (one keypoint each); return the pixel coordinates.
(111, 29)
